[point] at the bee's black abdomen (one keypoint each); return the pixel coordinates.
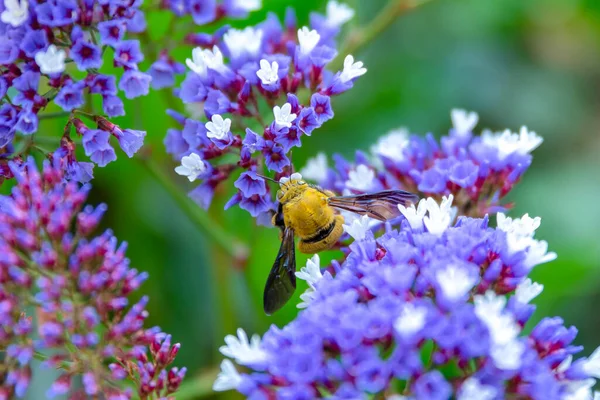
(321, 234)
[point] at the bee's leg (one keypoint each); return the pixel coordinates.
(328, 242)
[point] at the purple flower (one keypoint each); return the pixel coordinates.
(130, 140)
(9, 51)
(432, 386)
(193, 89)
(307, 120)
(203, 11)
(128, 54)
(57, 12)
(111, 32)
(135, 83)
(163, 73)
(27, 122)
(321, 105)
(27, 85)
(275, 158)
(250, 184)
(113, 106)
(97, 147)
(86, 55)
(103, 84)
(70, 96)
(255, 204)
(34, 41)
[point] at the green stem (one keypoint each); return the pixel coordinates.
(51, 115)
(230, 245)
(197, 386)
(363, 35)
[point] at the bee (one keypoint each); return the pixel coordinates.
(311, 213)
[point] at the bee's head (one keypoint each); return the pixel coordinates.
(286, 184)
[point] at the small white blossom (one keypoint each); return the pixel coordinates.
(244, 41)
(307, 297)
(413, 215)
(268, 72)
(358, 228)
(507, 350)
(528, 290)
(463, 121)
(51, 61)
(592, 365)
(244, 352)
(411, 320)
(519, 237)
(596, 395)
(202, 59)
(191, 166)
(455, 282)
(361, 178)
(507, 143)
(247, 5)
(308, 39)
(397, 397)
(565, 364)
(580, 390)
(217, 127)
(228, 378)
(316, 168)
(283, 115)
(15, 12)
(338, 13)
(351, 69)
(439, 217)
(392, 145)
(311, 273)
(472, 389)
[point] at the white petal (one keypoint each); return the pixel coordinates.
(528, 290)
(359, 227)
(463, 121)
(228, 378)
(316, 168)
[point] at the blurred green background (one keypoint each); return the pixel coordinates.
(515, 62)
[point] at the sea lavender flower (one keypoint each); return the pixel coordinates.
(478, 170)
(432, 309)
(234, 73)
(72, 287)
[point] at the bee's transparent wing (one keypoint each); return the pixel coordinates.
(379, 205)
(281, 282)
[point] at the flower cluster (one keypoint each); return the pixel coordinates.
(432, 310)
(237, 78)
(77, 285)
(478, 170)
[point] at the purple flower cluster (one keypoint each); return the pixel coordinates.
(432, 310)
(77, 285)
(478, 170)
(261, 89)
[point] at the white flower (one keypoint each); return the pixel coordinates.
(455, 281)
(392, 145)
(338, 13)
(51, 61)
(311, 273)
(397, 397)
(217, 127)
(15, 12)
(528, 290)
(361, 178)
(316, 168)
(308, 39)
(463, 121)
(411, 320)
(245, 41)
(519, 237)
(439, 216)
(228, 378)
(472, 389)
(268, 72)
(244, 352)
(283, 115)
(247, 5)
(351, 69)
(191, 166)
(358, 228)
(307, 297)
(507, 143)
(592, 365)
(205, 58)
(580, 390)
(506, 350)
(596, 395)
(413, 215)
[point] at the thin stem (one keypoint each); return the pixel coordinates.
(57, 114)
(230, 245)
(361, 36)
(197, 386)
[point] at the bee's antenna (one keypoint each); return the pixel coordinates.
(267, 178)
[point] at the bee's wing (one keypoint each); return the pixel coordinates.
(379, 205)
(281, 282)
